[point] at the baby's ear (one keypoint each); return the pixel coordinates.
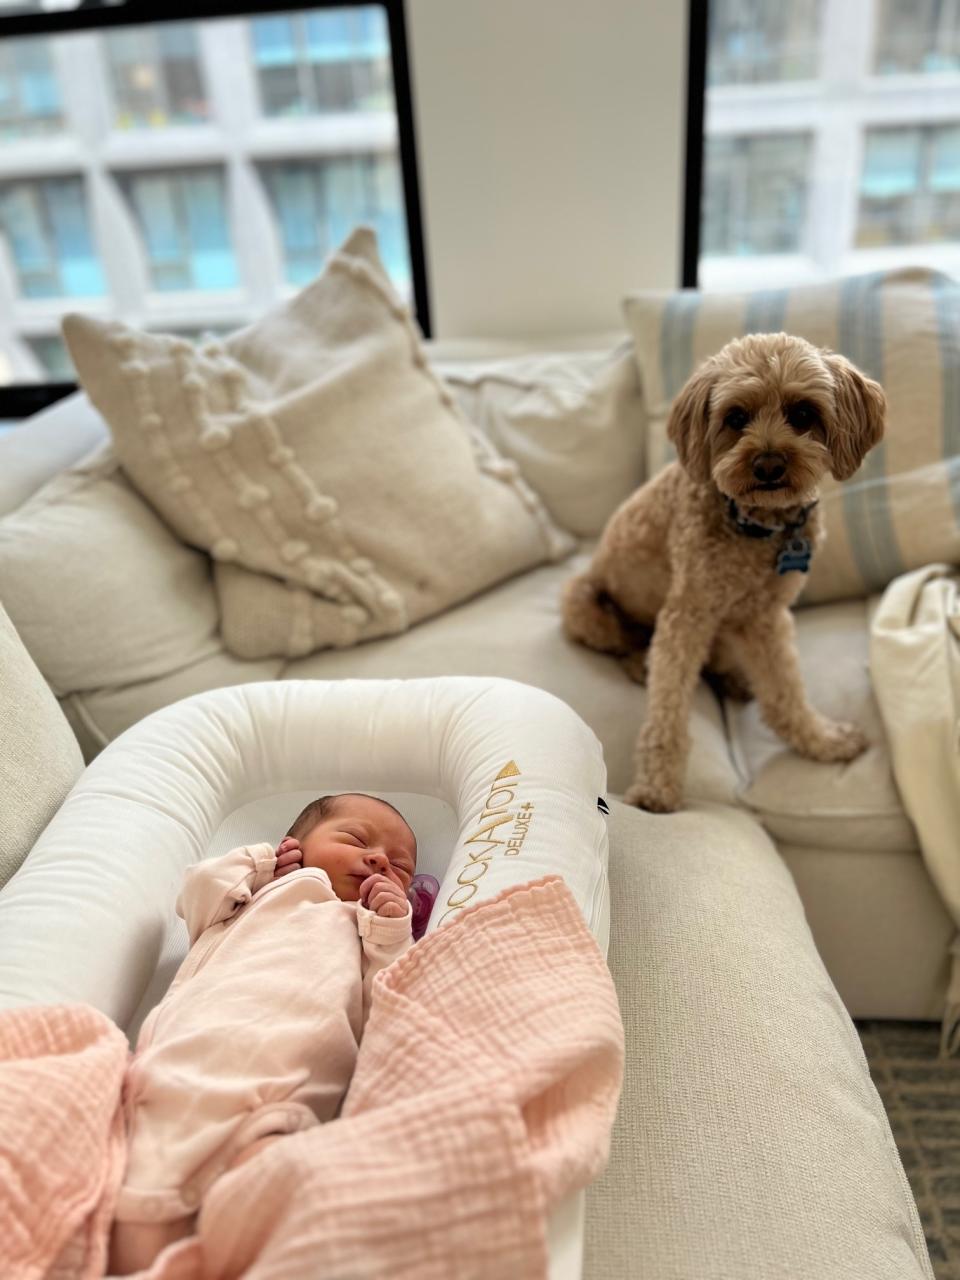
(859, 412)
(687, 423)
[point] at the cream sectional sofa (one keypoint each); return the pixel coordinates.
(575, 423)
(750, 1140)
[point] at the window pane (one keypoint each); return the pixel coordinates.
(917, 36)
(910, 187)
(755, 194)
(193, 144)
(756, 40)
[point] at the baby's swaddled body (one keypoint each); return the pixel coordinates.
(259, 1031)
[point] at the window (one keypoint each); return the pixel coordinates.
(917, 36)
(156, 77)
(332, 60)
(183, 221)
(910, 186)
(50, 352)
(756, 191)
(183, 152)
(318, 202)
(755, 41)
(29, 93)
(819, 159)
(44, 222)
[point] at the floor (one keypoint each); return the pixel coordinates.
(921, 1093)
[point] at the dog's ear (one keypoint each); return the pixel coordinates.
(687, 423)
(860, 409)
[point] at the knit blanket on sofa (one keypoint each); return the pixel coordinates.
(484, 1093)
(915, 669)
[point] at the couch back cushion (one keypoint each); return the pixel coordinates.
(902, 508)
(39, 756)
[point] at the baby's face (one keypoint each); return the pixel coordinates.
(361, 837)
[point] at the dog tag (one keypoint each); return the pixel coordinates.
(794, 556)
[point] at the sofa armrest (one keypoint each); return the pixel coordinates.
(32, 452)
(750, 1140)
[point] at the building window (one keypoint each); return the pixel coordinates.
(44, 222)
(328, 60)
(156, 76)
(910, 186)
(755, 194)
(754, 41)
(183, 221)
(917, 36)
(318, 202)
(29, 93)
(51, 355)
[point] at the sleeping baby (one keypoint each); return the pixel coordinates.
(258, 1034)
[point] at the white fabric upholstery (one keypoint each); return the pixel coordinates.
(751, 1142)
(39, 756)
(154, 801)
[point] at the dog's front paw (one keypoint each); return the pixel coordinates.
(654, 799)
(838, 742)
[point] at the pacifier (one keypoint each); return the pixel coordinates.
(422, 894)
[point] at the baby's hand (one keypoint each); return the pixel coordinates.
(289, 856)
(379, 893)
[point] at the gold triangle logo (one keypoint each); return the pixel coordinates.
(509, 770)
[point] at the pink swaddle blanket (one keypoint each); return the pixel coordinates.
(484, 1092)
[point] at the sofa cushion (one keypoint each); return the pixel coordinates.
(100, 590)
(901, 327)
(834, 806)
(39, 756)
(317, 448)
(44, 444)
(513, 630)
(573, 423)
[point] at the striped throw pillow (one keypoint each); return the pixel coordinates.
(902, 508)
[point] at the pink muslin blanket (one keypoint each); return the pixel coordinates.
(484, 1092)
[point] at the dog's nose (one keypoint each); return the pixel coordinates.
(769, 467)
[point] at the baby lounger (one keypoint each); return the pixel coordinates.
(500, 782)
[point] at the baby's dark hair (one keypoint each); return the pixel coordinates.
(322, 808)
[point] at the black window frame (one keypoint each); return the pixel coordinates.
(697, 32)
(20, 400)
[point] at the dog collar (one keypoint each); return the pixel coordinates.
(795, 553)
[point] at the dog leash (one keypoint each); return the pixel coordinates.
(794, 555)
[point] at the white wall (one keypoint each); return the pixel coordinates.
(550, 137)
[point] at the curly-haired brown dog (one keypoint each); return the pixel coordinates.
(713, 548)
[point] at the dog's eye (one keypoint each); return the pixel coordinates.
(736, 418)
(802, 416)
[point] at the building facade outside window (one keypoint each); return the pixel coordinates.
(199, 172)
(318, 202)
(333, 60)
(44, 222)
(183, 220)
(873, 89)
(156, 76)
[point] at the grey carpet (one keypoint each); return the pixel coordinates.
(921, 1093)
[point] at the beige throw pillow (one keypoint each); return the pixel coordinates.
(317, 450)
(39, 757)
(99, 589)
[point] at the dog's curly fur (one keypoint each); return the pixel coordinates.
(675, 587)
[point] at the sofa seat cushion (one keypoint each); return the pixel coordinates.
(802, 802)
(515, 631)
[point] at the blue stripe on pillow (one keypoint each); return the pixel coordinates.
(947, 298)
(676, 340)
(869, 521)
(766, 311)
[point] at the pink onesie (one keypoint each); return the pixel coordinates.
(259, 1030)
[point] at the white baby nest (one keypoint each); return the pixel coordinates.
(500, 782)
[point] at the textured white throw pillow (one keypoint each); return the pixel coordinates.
(99, 589)
(317, 450)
